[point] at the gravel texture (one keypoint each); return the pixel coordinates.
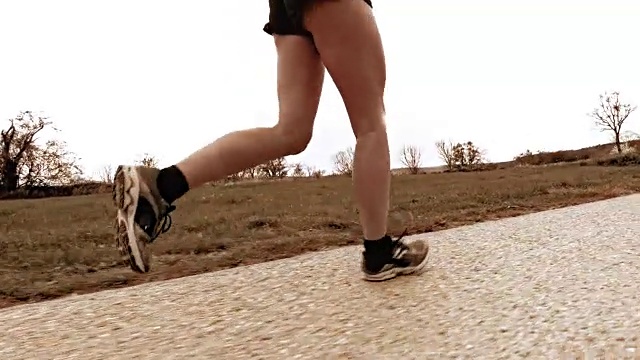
(530, 286)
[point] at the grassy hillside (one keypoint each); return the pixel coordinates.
(58, 246)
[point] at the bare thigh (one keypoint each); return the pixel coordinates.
(300, 79)
(347, 37)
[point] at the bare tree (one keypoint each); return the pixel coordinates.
(467, 156)
(411, 158)
(445, 152)
(25, 163)
(105, 174)
(343, 162)
(148, 160)
(251, 173)
(298, 170)
(611, 115)
(312, 171)
(49, 164)
(276, 168)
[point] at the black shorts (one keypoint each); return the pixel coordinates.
(285, 17)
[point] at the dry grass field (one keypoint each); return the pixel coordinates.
(59, 246)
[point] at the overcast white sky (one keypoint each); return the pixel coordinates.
(122, 78)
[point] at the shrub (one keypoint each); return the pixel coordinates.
(628, 159)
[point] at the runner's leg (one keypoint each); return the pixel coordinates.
(347, 37)
(143, 196)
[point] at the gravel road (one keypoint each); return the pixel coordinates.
(530, 286)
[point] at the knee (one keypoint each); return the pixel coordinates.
(373, 125)
(294, 139)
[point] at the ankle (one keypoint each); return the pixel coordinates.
(172, 184)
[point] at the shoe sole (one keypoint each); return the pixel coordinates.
(126, 190)
(396, 271)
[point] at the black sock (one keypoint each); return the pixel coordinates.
(376, 246)
(377, 253)
(172, 184)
